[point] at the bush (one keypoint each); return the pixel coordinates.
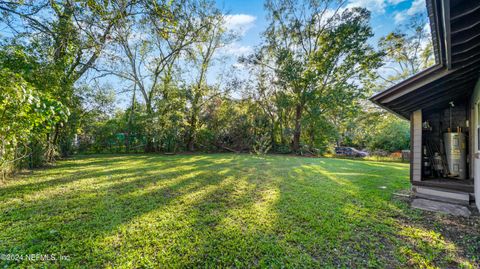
(27, 116)
(283, 149)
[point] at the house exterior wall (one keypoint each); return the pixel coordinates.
(416, 145)
(474, 142)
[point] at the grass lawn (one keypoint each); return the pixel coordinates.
(226, 210)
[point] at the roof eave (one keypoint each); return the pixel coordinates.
(406, 117)
(404, 84)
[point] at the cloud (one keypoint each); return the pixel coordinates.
(418, 6)
(375, 6)
(239, 23)
(400, 17)
(242, 67)
(395, 2)
(328, 14)
(235, 49)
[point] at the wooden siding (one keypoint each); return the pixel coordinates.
(474, 145)
(472, 120)
(416, 145)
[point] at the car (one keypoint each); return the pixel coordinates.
(350, 152)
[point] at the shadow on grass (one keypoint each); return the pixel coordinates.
(212, 210)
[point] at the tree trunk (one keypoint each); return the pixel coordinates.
(282, 137)
(312, 138)
(272, 135)
(298, 128)
(149, 143)
(51, 144)
(193, 121)
(192, 132)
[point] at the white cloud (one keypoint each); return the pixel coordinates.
(395, 2)
(240, 66)
(328, 14)
(426, 27)
(417, 7)
(400, 17)
(239, 23)
(375, 6)
(235, 49)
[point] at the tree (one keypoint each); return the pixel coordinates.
(64, 40)
(24, 112)
(319, 58)
(150, 44)
(213, 37)
(408, 50)
(76, 30)
(390, 134)
(306, 90)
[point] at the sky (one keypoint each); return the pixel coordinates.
(249, 16)
(248, 19)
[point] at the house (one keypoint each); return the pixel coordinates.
(443, 106)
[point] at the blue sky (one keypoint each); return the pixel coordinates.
(247, 17)
(250, 14)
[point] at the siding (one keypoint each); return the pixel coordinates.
(416, 145)
(474, 135)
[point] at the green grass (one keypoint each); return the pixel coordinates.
(225, 210)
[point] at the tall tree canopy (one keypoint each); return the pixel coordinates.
(64, 65)
(320, 56)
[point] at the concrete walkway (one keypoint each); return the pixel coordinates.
(447, 208)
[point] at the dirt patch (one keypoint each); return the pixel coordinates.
(459, 236)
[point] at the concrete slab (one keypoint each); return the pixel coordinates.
(435, 206)
(449, 194)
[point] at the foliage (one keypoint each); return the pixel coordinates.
(408, 50)
(319, 63)
(214, 37)
(376, 129)
(24, 114)
(262, 145)
(390, 134)
(51, 45)
(302, 91)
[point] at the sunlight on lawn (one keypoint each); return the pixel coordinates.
(219, 210)
(431, 244)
